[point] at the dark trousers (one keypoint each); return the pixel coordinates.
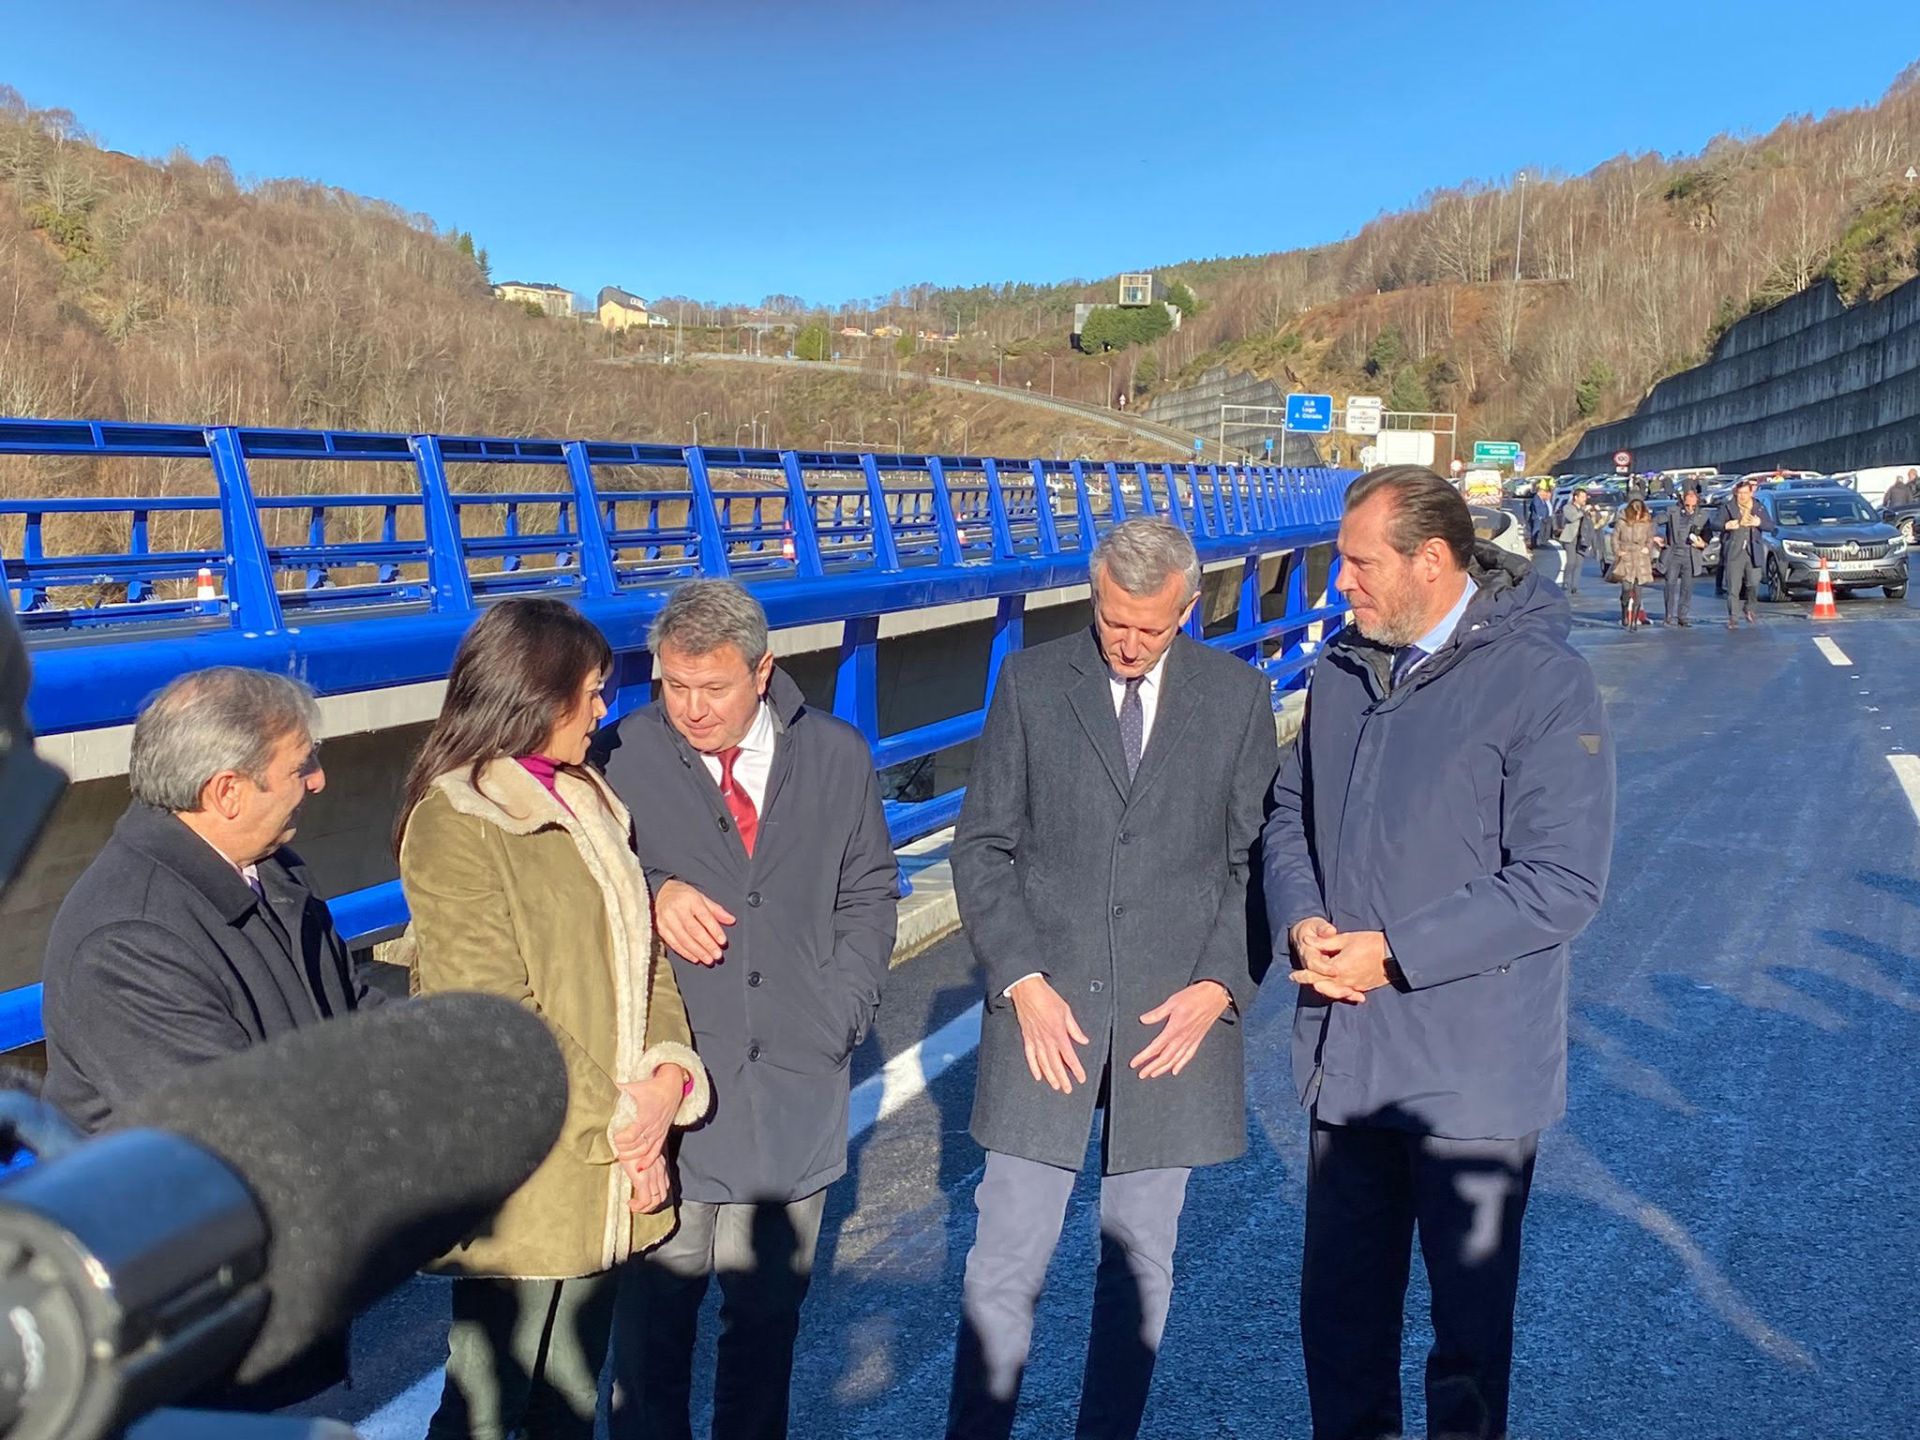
(1022, 1205)
(763, 1255)
(524, 1355)
(1679, 594)
(1368, 1188)
(1743, 581)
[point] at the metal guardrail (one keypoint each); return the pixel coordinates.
(369, 588)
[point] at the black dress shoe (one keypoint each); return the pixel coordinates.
(1683, 621)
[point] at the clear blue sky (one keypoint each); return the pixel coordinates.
(727, 149)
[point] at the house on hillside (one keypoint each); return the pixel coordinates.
(1136, 292)
(656, 321)
(853, 332)
(622, 309)
(554, 300)
(887, 332)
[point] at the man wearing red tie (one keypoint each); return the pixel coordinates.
(758, 821)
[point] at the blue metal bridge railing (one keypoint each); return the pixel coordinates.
(360, 586)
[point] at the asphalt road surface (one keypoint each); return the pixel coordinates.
(1722, 1236)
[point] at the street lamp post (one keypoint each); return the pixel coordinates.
(1000, 366)
(1050, 374)
(767, 438)
(899, 436)
(703, 415)
(1106, 400)
(744, 424)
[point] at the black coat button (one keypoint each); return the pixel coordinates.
(721, 821)
(753, 1052)
(1126, 837)
(753, 899)
(753, 980)
(1118, 911)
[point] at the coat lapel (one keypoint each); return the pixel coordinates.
(1092, 700)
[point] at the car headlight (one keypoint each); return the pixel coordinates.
(1897, 545)
(1799, 549)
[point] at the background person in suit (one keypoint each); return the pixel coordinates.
(1439, 835)
(1579, 538)
(759, 822)
(1682, 538)
(1744, 527)
(1101, 863)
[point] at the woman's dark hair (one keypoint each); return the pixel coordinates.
(518, 671)
(1636, 511)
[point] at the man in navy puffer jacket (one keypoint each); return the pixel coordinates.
(1440, 833)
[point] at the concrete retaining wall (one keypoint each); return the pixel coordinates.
(1197, 408)
(1807, 385)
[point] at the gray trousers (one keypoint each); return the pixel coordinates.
(1022, 1205)
(1571, 561)
(763, 1255)
(524, 1356)
(1743, 580)
(1678, 588)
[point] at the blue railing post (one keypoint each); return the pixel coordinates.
(1249, 594)
(631, 682)
(1147, 507)
(1043, 508)
(806, 536)
(447, 579)
(1009, 635)
(946, 527)
(1084, 503)
(856, 678)
(1174, 510)
(138, 589)
(886, 554)
(705, 520)
(598, 579)
(997, 512)
(254, 603)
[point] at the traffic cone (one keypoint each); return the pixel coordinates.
(203, 585)
(1823, 606)
(787, 552)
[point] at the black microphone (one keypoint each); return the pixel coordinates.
(250, 1207)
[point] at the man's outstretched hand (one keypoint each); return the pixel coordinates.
(1189, 1014)
(1050, 1032)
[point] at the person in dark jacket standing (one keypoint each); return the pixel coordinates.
(758, 821)
(1903, 492)
(195, 932)
(1101, 863)
(1681, 538)
(1744, 527)
(1439, 835)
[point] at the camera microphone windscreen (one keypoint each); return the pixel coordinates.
(372, 1145)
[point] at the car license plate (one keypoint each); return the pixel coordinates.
(1854, 567)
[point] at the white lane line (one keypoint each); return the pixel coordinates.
(1835, 655)
(910, 1072)
(1906, 769)
(874, 1099)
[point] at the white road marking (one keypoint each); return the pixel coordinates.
(1835, 655)
(874, 1099)
(1906, 769)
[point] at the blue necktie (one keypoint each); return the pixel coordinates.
(1133, 726)
(1404, 660)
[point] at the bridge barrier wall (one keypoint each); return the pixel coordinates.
(1808, 384)
(826, 542)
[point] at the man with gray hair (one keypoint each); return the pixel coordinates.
(194, 933)
(1101, 863)
(758, 820)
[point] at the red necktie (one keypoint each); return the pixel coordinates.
(739, 804)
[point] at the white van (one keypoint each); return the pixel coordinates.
(1874, 482)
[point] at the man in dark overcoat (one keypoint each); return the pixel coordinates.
(1101, 863)
(1683, 542)
(758, 820)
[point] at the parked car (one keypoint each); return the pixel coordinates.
(1500, 528)
(1834, 524)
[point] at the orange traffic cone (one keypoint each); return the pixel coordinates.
(1823, 606)
(203, 585)
(787, 552)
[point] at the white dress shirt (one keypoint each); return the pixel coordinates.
(1149, 697)
(1442, 632)
(755, 762)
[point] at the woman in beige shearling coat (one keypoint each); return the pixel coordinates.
(517, 866)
